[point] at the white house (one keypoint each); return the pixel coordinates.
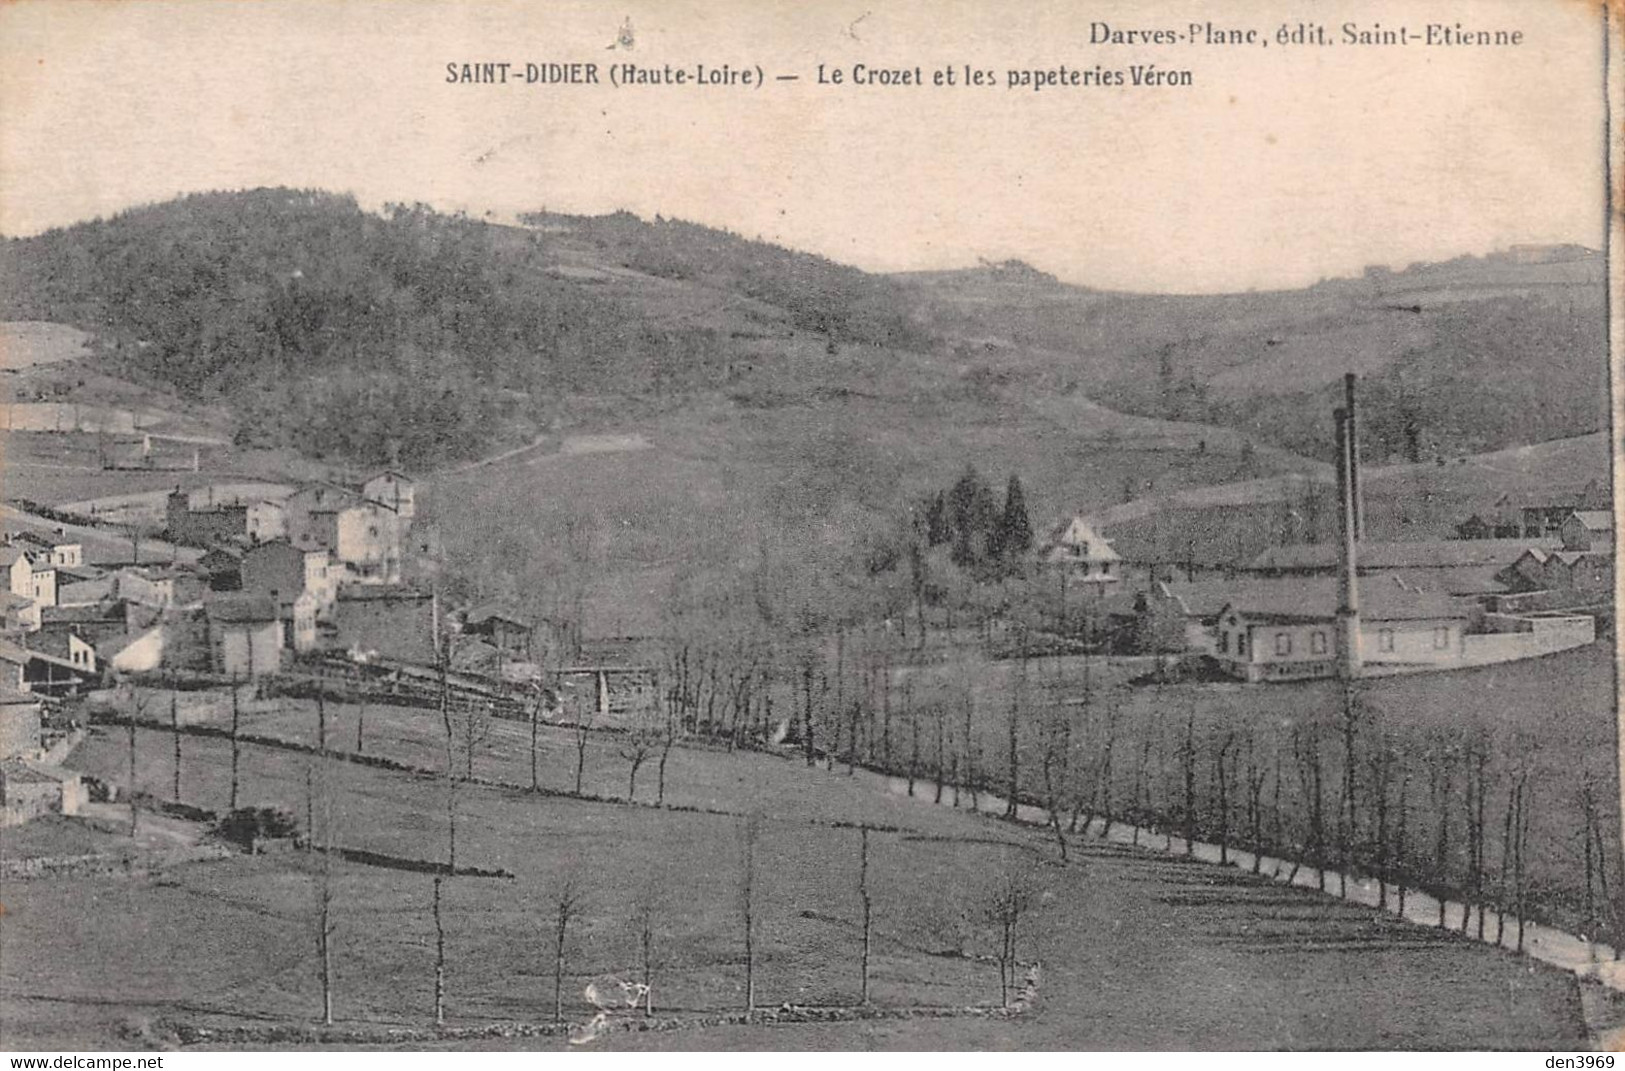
(267, 521)
(1083, 552)
(368, 544)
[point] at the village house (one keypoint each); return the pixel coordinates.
(244, 635)
(363, 537)
(282, 572)
(1083, 553)
(159, 586)
(304, 632)
(27, 578)
(66, 644)
(57, 551)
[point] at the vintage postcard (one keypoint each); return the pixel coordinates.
(740, 525)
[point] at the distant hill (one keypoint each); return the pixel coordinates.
(420, 336)
(1474, 354)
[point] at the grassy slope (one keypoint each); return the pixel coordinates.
(1551, 717)
(1139, 951)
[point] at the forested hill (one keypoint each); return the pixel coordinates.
(415, 333)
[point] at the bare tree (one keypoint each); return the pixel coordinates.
(439, 958)
(583, 732)
(1012, 896)
(566, 908)
(868, 907)
(645, 910)
(137, 710)
(1018, 695)
(236, 752)
(326, 926)
(750, 831)
(638, 745)
(175, 733)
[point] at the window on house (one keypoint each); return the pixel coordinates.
(373, 531)
(1385, 639)
(1283, 644)
(1105, 568)
(1317, 643)
(1224, 643)
(1441, 638)
(1241, 644)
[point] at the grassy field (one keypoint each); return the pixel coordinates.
(1549, 719)
(1137, 950)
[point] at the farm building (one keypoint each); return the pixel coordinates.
(1563, 577)
(1546, 521)
(1588, 529)
(1084, 553)
(503, 629)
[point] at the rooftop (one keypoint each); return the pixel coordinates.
(1416, 554)
(229, 609)
(1316, 599)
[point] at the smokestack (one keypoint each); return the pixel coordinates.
(1354, 455)
(1348, 584)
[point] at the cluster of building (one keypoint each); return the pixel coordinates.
(1525, 588)
(321, 568)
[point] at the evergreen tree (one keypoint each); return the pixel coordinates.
(1015, 531)
(972, 514)
(936, 521)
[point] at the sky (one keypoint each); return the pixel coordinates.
(1276, 167)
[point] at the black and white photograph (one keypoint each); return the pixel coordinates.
(738, 525)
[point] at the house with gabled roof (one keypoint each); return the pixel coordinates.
(1588, 529)
(1084, 553)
